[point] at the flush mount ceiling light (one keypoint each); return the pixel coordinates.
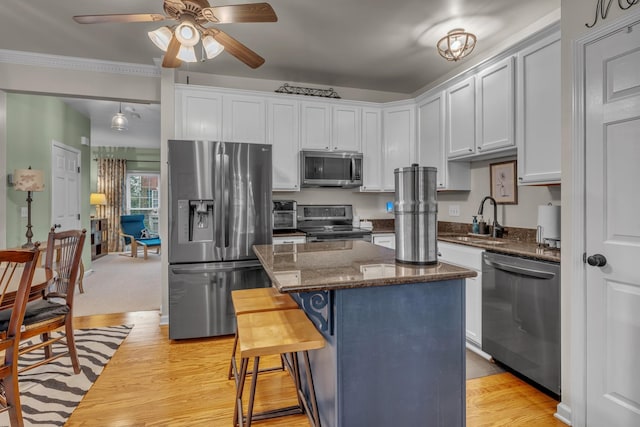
(119, 121)
(180, 40)
(456, 44)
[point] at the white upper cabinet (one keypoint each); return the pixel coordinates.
(244, 119)
(283, 131)
(495, 107)
(198, 114)
(326, 126)
(538, 122)
(398, 142)
(371, 149)
(315, 126)
(461, 114)
(432, 145)
(346, 128)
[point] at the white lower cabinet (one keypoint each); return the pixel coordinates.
(282, 240)
(388, 240)
(471, 258)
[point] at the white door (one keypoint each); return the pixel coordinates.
(612, 106)
(65, 193)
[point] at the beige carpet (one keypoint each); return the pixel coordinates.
(120, 284)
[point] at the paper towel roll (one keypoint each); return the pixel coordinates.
(549, 221)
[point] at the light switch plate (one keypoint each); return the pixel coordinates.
(454, 210)
(24, 212)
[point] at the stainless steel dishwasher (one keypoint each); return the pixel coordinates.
(521, 316)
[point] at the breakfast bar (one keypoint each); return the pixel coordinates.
(395, 352)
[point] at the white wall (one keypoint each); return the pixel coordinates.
(3, 169)
(524, 214)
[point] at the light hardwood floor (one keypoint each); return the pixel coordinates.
(152, 381)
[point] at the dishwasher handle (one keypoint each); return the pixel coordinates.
(520, 270)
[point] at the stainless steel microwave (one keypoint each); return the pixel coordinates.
(330, 169)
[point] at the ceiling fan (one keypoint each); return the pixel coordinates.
(178, 40)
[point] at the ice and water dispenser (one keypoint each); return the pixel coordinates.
(195, 221)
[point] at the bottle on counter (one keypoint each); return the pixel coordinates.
(482, 226)
(475, 228)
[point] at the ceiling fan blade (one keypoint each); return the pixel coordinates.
(126, 17)
(253, 12)
(237, 49)
(170, 59)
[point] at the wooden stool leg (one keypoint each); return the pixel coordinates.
(312, 392)
(252, 394)
(233, 369)
(237, 413)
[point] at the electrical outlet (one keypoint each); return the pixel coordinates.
(454, 210)
(24, 212)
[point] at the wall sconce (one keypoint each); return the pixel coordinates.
(28, 180)
(456, 44)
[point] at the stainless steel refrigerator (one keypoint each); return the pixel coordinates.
(220, 206)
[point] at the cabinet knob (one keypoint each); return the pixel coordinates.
(470, 150)
(519, 178)
(479, 148)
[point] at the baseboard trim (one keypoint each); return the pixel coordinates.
(479, 352)
(563, 413)
(164, 319)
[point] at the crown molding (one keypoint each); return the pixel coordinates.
(77, 64)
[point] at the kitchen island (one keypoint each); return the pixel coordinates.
(395, 352)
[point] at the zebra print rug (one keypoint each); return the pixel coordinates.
(51, 392)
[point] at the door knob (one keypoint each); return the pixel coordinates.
(597, 260)
(57, 225)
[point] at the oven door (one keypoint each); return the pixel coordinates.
(338, 236)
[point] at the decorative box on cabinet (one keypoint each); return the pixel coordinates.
(538, 122)
(99, 247)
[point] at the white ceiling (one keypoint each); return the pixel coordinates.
(385, 45)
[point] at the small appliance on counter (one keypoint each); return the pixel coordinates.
(284, 215)
(548, 230)
(416, 215)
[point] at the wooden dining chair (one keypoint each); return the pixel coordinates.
(15, 266)
(55, 310)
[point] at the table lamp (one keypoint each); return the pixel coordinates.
(97, 199)
(28, 180)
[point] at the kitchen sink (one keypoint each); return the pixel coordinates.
(476, 240)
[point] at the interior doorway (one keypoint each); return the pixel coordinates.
(65, 187)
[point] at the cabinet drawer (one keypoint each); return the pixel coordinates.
(461, 255)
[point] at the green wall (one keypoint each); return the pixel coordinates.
(33, 123)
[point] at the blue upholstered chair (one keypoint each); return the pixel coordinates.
(134, 233)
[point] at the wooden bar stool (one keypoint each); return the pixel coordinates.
(253, 301)
(271, 333)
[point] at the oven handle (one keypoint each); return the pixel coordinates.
(519, 270)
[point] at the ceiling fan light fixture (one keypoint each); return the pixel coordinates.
(119, 121)
(161, 37)
(211, 47)
(456, 44)
(187, 54)
(187, 34)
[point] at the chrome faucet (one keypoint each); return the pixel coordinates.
(498, 230)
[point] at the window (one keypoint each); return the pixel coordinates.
(143, 197)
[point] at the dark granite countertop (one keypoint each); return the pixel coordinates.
(504, 246)
(332, 265)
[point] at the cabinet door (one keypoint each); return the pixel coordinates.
(473, 309)
(346, 128)
(399, 138)
(371, 150)
(461, 102)
(495, 108)
(283, 136)
(282, 240)
(315, 126)
(244, 119)
(386, 240)
(431, 136)
(198, 114)
(538, 125)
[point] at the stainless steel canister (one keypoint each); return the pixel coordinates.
(416, 215)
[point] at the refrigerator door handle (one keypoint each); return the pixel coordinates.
(225, 197)
(218, 189)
